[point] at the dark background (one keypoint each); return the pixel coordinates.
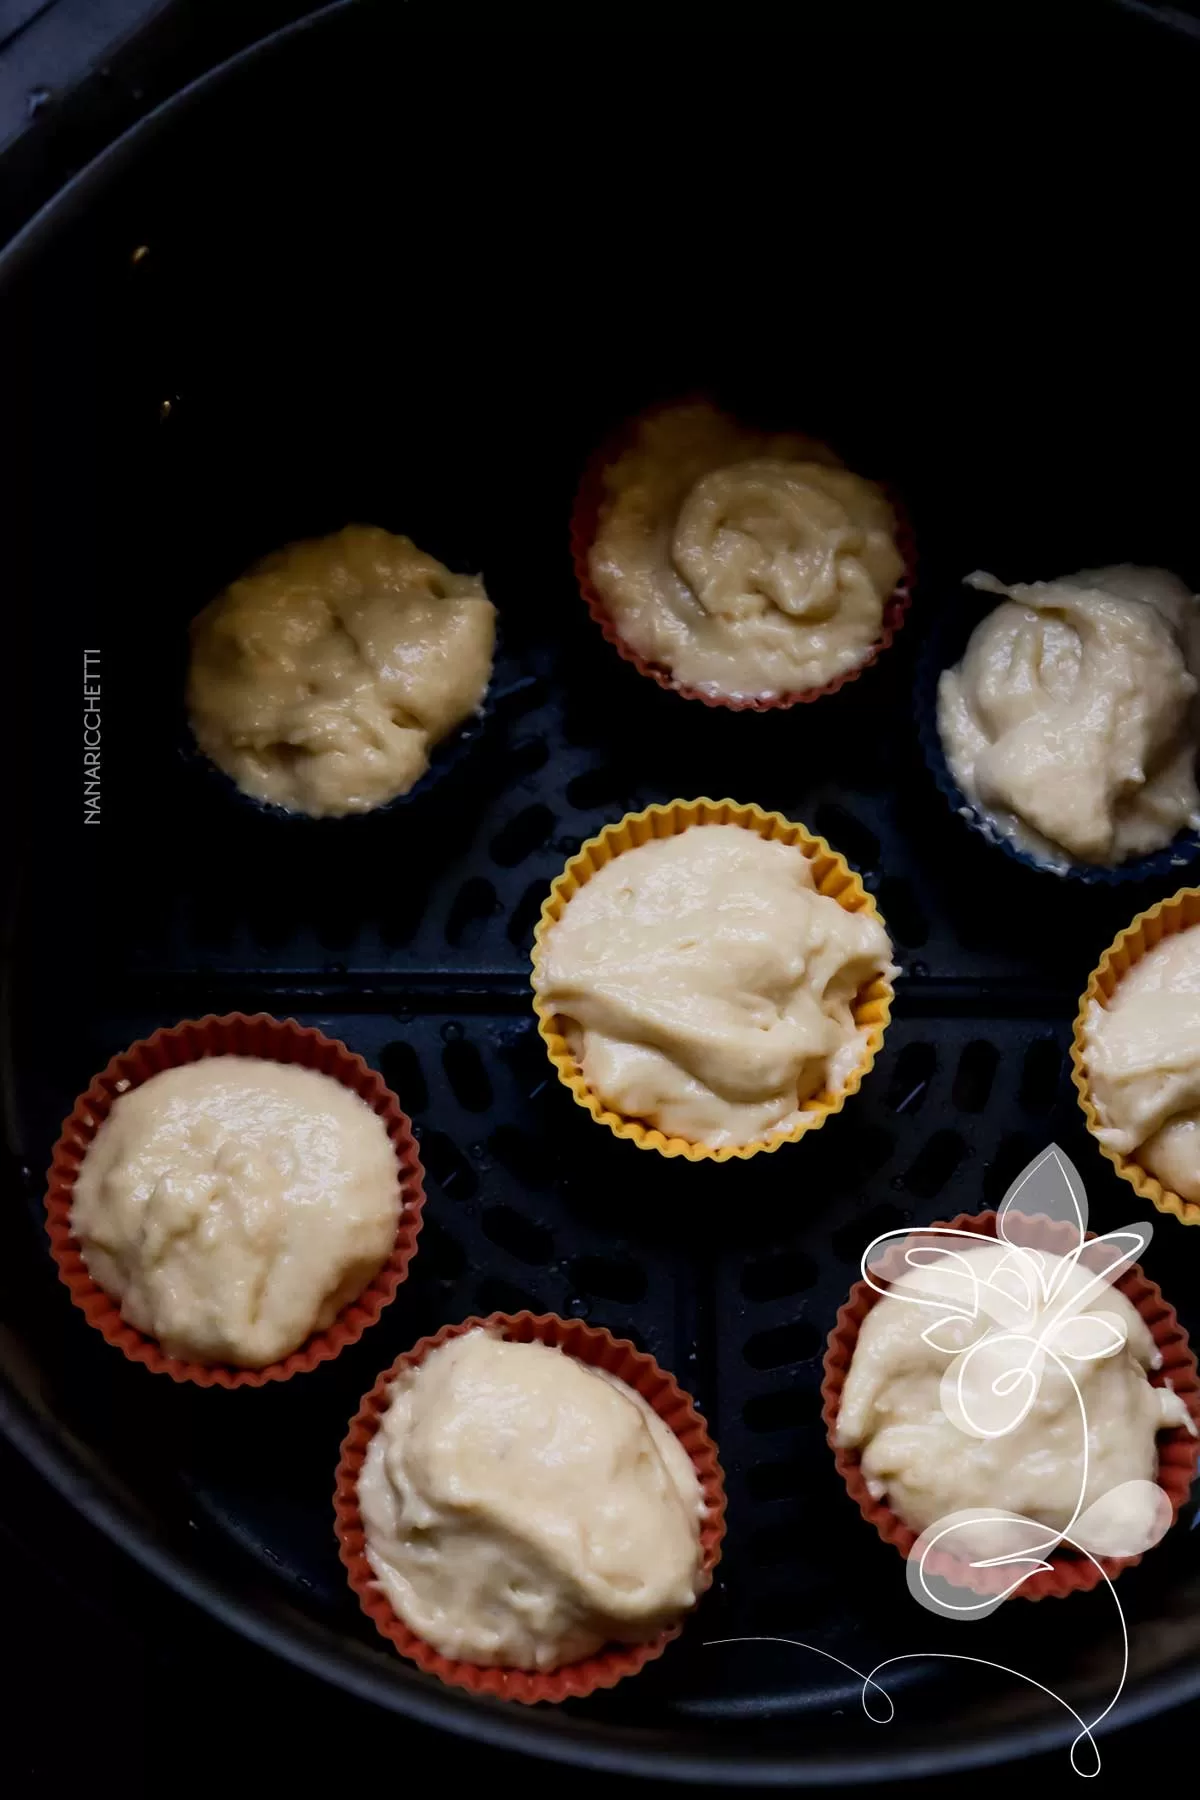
(111, 1682)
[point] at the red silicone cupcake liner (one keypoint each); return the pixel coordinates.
(274, 1040)
(1069, 1572)
(590, 1344)
(585, 517)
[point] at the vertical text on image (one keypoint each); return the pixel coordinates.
(91, 737)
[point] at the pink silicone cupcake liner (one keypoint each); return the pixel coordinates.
(1069, 1572)
(599, 1348)
(275, 1040)
(585, 516)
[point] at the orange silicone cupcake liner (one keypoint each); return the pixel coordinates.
(236, 1034)
(1149, 928)
(585, 519)
(1068, 1572)
(590, 1344)
(832, 876)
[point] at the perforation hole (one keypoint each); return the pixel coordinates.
(525, 695)
(974, 1076)
(848, 834)
(401, 1069)
(774, 1277)
(1014, 1154)
(525, 1054)
(777, 1412)
(609, 1278)
(525, 758)
(773, 1544)
(526, 914)
(864, 1152)
(779, 1348)
(442, 1256)
(497, 1295)
(467, 1076)
(934, 1164)
(337, 927)
(522, 836)
(597, 787)
(214, 922)
(776, 1480)
(448, 1166)
(474, 904)
(403, 911)
(902, 915)
(511, 1231)
(272, 926)
(522, 1155)
(850, 1241)
(1040, 1075)
(911, 1077)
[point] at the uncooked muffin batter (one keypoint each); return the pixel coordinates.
(1143, 1063)
(892, 1411)
(522, 1509)
(749, 563)
(708, 988)
(322, 679)
(233, 1206)
(1070, 721)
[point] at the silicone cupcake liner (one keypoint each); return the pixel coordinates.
(832, 876)
(236, 1034)
(585, 518)
(1068, 1571)
(590, 1344)
(446, 758)
(943, 648)
(1128, 947)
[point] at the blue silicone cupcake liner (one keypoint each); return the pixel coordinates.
(943, 647)
(445, 759)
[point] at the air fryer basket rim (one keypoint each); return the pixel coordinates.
(557, 1736)
(549, 1735)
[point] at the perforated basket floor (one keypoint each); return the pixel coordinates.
(730, 1275)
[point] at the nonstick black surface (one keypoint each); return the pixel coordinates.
(412, 281)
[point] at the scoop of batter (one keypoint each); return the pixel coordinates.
(522, 1509)
(1143, 1062)
(233, 1206)
(747, 562)
(708, 988)
(900, 1395)
(323, 677)
(1070, 721)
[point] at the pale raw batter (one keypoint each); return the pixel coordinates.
(748, 563)
(708, 987)
(522, 1509)
(322, 679)
(233, 1206)
(1143, 1062)
(914, 1453)
(1070, 721)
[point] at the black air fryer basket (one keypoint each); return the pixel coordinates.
(379, 271)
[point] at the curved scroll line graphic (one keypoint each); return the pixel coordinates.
(1022, 1315)
(869, 1682)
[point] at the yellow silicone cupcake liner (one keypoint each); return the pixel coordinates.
(1178, 913)
(832, 875)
